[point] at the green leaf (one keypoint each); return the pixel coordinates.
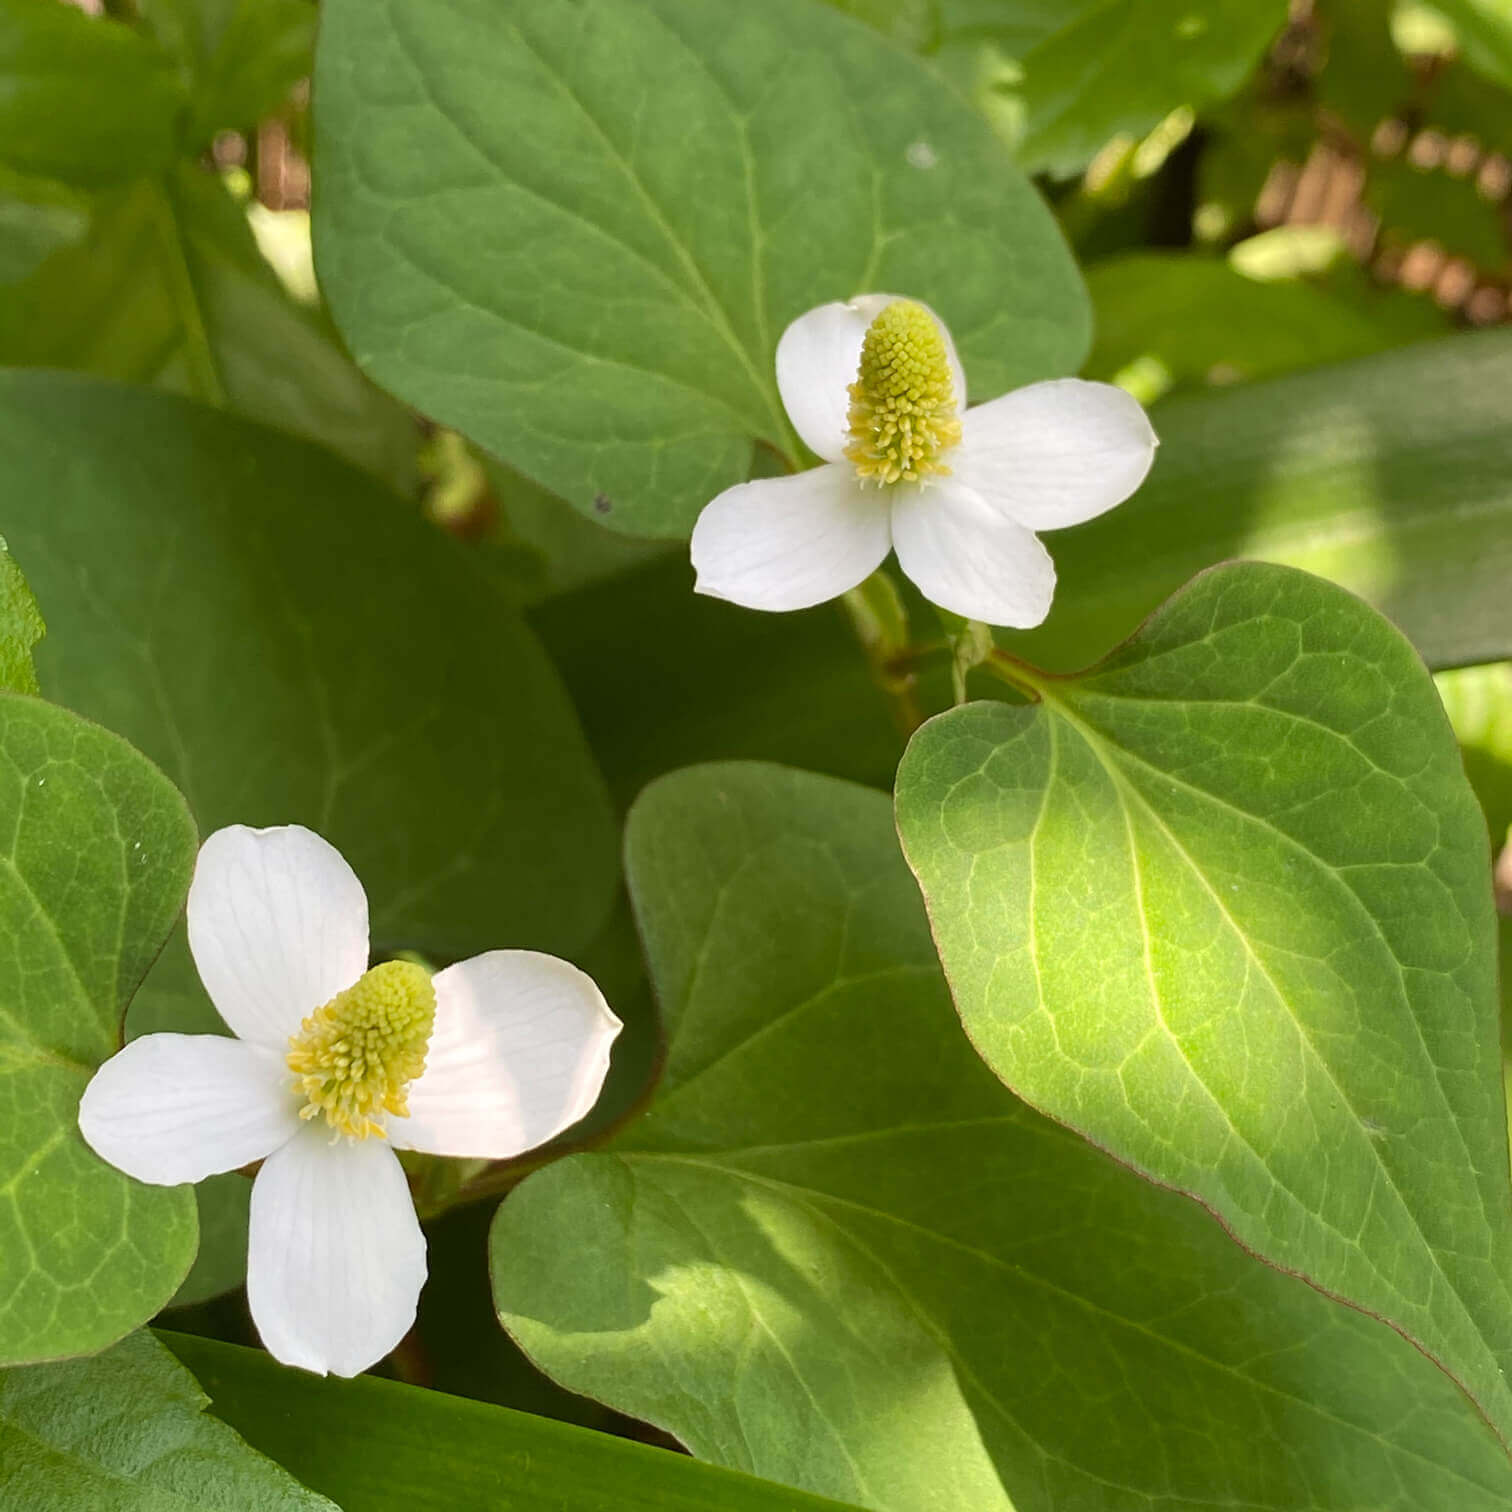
(695, 679)
(837, 1252)
(1485, 28)
(1061, 78)
(1200, 320)
(128, 1432)
(239, 58)
(379, 1446)
(1223, 904)
(87, 102)
(224, 1204)
(608, 327)
(98, 853)
(1392, 475)
(21, 627)
(295, 645)
(41, 218)
(169, 289)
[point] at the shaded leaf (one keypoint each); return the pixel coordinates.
(169, 289)
(608, 327)
(377, 1446)
(85, 101)
(296, 645)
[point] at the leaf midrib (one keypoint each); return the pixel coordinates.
(704, 302)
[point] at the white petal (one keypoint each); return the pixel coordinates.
(967, 557)
(788, 543)
(335, 1256)
(519, 1053)
(181, 1107)
(817, 359)
(278, 925)
(1055, 454)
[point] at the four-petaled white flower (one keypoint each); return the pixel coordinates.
(875, 388)
(334, 1067)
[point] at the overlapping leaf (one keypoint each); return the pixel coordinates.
(1223, 904)
(575, 231)
(97, 855)
(379, 1446)
(83, 101)
(168, 288)
(294, 644)
(838, 1253)
(127, 1431)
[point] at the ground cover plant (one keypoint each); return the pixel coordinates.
(755, 756)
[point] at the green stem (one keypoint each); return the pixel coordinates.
(204, 373)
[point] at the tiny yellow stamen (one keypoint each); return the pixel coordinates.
(355, 1058)
(903, 402)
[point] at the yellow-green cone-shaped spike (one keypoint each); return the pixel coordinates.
(354, 1059)
(903, 402)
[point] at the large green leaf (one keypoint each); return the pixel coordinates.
(168, 288)
(1063, 77)
(127, 1431)
(837, 1252)
(1392, 475)
(294, 644)
(379, 1446)
(575, 231)
(1223, 904)
(84, 101)
(97, 856)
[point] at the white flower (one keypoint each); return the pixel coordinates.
(875, 388)
(334, 1068)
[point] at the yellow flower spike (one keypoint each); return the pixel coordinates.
(903, 411)
(354, 1058)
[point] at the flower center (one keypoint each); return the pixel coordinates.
(903, 403)
(355, 1058)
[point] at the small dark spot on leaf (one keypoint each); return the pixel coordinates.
(603, 503)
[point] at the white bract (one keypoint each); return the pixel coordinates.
(875, 387)
(334, 1067)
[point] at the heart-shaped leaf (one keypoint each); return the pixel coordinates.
(575, 229)
(97, 856)
(838, 1253)
(1223, 904)
(294, 644)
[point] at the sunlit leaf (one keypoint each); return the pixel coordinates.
(1222, 903)
(835, 1251)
